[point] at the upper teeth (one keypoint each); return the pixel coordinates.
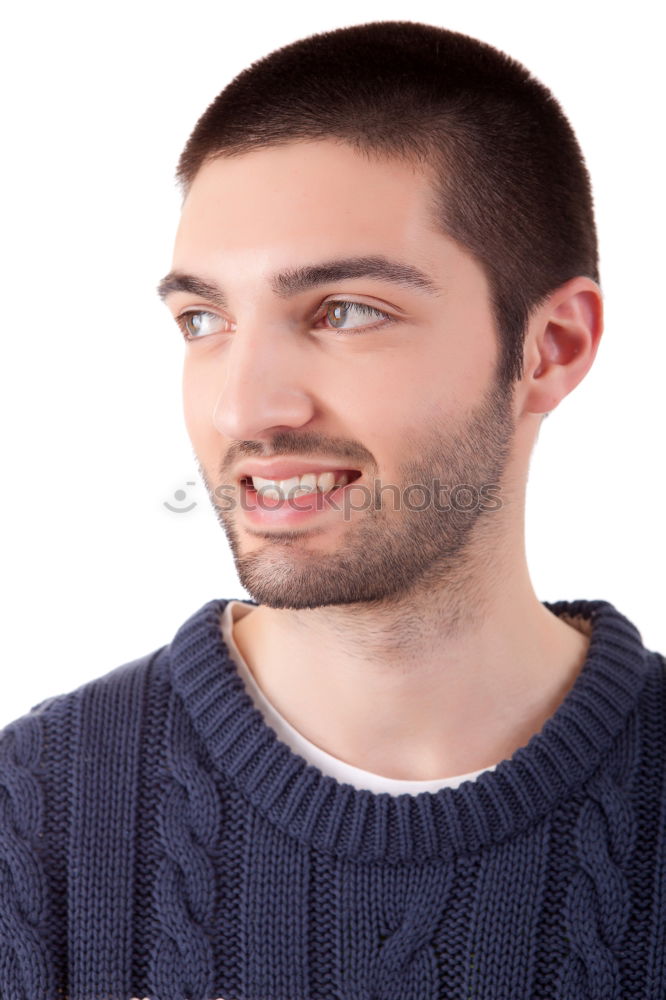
(309, 483)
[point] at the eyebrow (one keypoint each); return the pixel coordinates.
(293, 281)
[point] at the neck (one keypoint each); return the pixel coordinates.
(442, 682)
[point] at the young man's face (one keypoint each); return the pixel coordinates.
(408, 399)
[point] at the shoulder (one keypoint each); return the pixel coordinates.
(114, 695)
(70, 762)
(655, 669)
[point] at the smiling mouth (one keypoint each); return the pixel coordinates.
(343, 478)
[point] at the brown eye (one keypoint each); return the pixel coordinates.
(339, 311)
(198, 323)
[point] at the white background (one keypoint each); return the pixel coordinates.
(98, 102)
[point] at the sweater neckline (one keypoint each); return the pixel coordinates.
(324, 813)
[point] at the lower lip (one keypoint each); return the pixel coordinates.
(269, 511)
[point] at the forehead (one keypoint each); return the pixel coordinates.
(315, 193)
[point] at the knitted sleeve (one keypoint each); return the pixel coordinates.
(68, 790)
(27, 966)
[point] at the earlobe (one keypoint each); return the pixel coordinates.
(561, 343)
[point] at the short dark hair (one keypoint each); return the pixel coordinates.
(509, 179)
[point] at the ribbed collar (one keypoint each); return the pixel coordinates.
(357, 823)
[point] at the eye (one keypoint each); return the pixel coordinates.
(337, 311)
(197, 323)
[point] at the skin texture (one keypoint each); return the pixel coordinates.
(405, 641)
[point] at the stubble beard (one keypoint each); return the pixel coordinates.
(388, 555)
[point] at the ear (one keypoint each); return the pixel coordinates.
(561, 343)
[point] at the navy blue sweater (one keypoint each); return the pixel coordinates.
(158, 840)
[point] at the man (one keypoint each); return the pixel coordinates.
(394, 773)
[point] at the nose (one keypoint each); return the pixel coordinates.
(265, 382)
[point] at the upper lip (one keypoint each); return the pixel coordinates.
(286, 468)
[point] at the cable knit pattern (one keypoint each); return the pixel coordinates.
(23, 889)
(405, 968)
(598, 902)
(202, 859)
(185, 888)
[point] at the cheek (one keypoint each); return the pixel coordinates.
(403, 388)
(374, 407)
(363, 397)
